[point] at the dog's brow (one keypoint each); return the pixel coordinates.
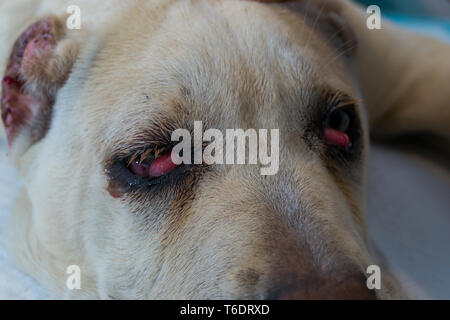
(155, 134)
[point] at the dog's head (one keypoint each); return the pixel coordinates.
(89, 120)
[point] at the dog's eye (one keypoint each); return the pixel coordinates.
(144, 171)
(339, 127)
(152, 165)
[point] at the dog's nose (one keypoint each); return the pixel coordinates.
(344, 288)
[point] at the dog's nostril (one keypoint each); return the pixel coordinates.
(347, 288)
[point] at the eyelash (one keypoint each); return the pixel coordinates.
(146, 155)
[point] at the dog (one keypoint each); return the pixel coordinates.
(88, 111)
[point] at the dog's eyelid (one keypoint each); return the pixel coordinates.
(341, 99)
(155, 136)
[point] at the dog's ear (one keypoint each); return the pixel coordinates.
(39, 65)
(324, 16)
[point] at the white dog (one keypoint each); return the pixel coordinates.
(89, 115)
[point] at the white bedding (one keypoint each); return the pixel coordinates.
(13, 283)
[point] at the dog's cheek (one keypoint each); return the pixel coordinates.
(39, 64)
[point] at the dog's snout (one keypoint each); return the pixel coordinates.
(344, 288)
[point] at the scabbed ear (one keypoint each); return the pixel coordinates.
(324, 16)
(39, 65)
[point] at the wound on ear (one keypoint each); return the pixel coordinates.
(33, 75)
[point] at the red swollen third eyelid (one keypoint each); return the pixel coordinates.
(337, 138)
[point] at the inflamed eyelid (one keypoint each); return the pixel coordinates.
(152, 163)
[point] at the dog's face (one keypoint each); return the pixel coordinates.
(200, 231)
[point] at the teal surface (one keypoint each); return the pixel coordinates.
(435, 27)
(430, 17)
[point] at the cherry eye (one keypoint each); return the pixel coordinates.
(337, 128)
(154, 166)
(162, 166)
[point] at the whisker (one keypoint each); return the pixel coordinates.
(334, 35)
(343, 45)
(338, 54)
(314, 24)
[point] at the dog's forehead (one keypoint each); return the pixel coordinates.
(213, 39)
(206, 39)
(232, 54)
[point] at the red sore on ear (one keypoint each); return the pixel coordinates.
(28, 86)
